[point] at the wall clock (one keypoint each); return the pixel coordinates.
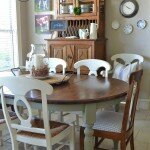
(115, 25)
(129, 8)
(128, 29)
(141, 24)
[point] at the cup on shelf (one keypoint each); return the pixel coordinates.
(64, 9)
(86, 8)
(71, 9)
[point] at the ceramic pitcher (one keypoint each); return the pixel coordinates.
(83, 33)
(93, 30)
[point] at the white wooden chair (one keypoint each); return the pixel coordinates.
(34, 131)
(93, 65)
(128, 58)
(54, 62)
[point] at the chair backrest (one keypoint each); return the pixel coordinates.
(19, 86)
(54, 62)
(128, 58)
(93, 65)
(132, 99)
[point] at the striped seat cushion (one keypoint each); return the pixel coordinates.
(108, 121)
(11, 113)
(56, 128)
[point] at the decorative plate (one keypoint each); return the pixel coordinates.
(128, 29)
(141, 24)
(115, 25)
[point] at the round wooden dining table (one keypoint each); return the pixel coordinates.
(82, 93)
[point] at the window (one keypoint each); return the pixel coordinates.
(8, 34)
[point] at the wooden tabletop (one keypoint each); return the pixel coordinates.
(83, 90)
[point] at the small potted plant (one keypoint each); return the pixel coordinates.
(77, 9)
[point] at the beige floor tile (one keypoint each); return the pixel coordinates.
(141, 145)
(141, 114)
(148, 147)
(142, 125)
(148, 117)
(143, 136)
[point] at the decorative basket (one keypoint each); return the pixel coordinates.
(43, 71)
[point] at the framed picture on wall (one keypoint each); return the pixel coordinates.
(42, 5)
(42, 24)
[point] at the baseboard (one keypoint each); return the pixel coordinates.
(144, 104)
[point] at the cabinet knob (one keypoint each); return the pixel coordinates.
(69, 57)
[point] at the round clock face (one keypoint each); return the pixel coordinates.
(129, 8)
(115, 25)
(141, 24)
(128, 29)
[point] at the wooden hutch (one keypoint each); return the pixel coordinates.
(73, 50)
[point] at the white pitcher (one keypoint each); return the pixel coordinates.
(93, 30)
(83, 33)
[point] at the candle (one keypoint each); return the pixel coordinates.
(28, 65)
(37, 61)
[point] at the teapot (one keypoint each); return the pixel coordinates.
(83, 33)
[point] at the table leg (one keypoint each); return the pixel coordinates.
(89, 118)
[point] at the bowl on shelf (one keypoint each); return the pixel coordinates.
(86, 8)
(64, 9)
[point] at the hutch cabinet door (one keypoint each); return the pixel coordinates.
(65, 52)
(58, 51)
(83, 52)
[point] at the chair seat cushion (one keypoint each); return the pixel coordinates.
(122, 72)
(11, 114)
(56, 128)
(108, 121)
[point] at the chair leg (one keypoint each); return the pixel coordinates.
(25, 146)
(81, 138)
(35, 147)
(39, 113)
(116, 145)
(1, 138)
(77, 120)
(132, 142)
(60, 116)
(14, 145)
(72, 139)
(123, 145)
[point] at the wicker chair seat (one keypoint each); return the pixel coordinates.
(56, 128)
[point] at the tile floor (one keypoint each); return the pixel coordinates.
(142, 135)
